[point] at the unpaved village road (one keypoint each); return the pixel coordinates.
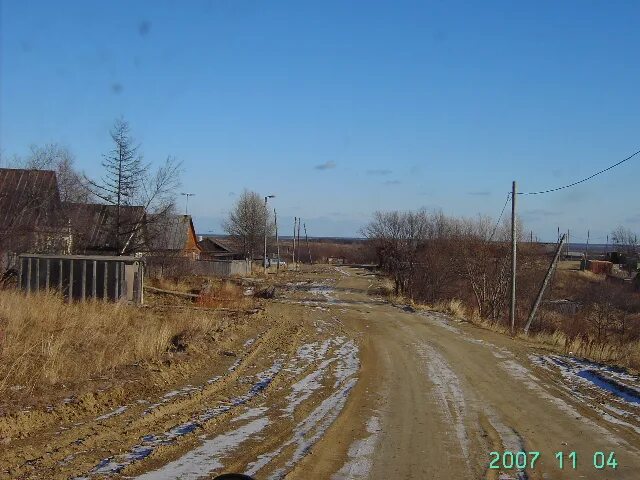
(340, 384)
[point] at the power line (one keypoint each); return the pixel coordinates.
(580, 181)
(500, 217)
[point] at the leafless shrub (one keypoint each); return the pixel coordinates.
(247, 221)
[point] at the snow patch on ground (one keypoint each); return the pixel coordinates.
(114, 413)
(511, 441)
(345, 365)
(449, 393)
(521, 373)
(440, 320)
(150, 442)
(587, 381)
(343, 271)
(361, 454)
(207, 458)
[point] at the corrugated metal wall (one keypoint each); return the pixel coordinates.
(79, 277)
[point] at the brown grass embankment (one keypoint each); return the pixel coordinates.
(585, 345)
(45, 341)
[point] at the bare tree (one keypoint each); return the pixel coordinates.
(397, 238)
(157, 196)
(625, 239)
(246, 223)
(52, 156)
(128, 181)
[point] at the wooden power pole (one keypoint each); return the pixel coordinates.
(306, 238)
(512, 310)
(545, 282)
(293, 255)
(298, 243)
(275, 221)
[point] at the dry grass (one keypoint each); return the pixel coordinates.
(224, 295)
(453, 307)
(569, 265)
(182, 284)
(626, 355)
(613, 353)
(44, 340)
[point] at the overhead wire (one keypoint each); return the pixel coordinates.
(550, 190)
(495, 229)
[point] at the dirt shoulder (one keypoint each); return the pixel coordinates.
(332, 381)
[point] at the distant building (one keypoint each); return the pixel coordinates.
(574, 256)
(95, 231)
(175, 236)
(218, 248)
(31, 214)
(336, 260)
(600, 267)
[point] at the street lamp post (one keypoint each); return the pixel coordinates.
(186, 207)
(266, 227)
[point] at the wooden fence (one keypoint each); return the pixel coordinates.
(176, 266)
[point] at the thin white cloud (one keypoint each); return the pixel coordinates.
(326, 165)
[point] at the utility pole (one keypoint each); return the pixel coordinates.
(545, 282)
(307, 240)
(586, 254)
(293, 256)
(186, 207)
(299, 256)
(275, 220)
(512, 311)
(567, 244)
(266, 227)
(558, 234)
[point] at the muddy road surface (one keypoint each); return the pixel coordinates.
(337, 383)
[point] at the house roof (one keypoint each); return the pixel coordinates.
(94, 224)
(173, 232)
(29, 198)
(215, 245)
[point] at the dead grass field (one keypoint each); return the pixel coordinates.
(45, 341)
(625, 355)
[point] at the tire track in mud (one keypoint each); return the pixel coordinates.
(473, 421)
(578, 388)
(77, 445)
(328, 367)
(292, 402)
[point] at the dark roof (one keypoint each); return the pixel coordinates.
(29, 199)
(173, 232)
(94, 226)
(214, 245)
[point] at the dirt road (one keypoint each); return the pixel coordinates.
(339, 384)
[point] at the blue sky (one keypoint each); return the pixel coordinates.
(341, 108)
